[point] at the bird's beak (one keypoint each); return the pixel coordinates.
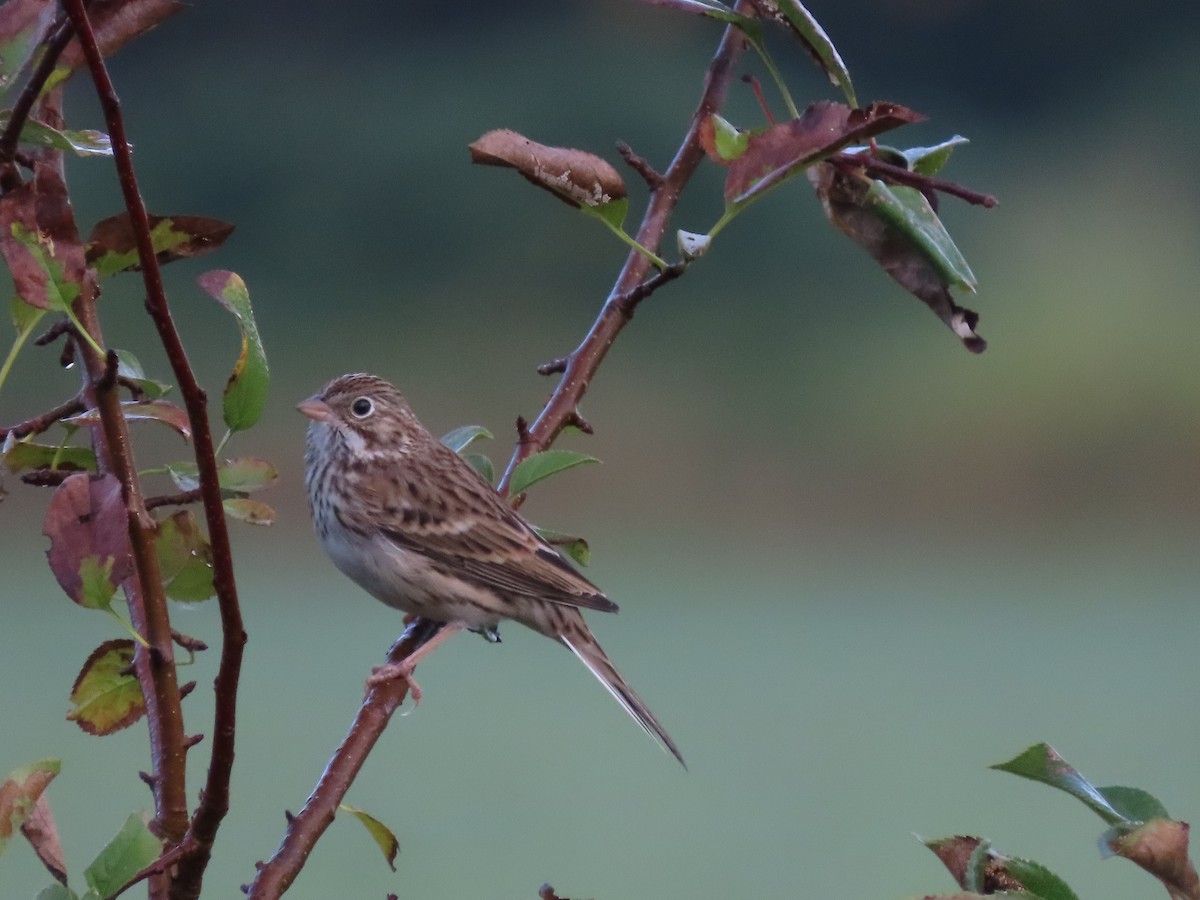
(316, 409)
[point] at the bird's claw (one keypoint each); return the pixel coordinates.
(395, 672)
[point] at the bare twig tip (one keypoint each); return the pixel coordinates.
(649, 174)
(555, 366)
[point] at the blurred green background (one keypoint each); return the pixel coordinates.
(856, 563)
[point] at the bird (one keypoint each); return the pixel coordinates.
(413, 524)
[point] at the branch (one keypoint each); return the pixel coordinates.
(214, 799)
(632, 285)
(46, 420)
(306, 827)
(61, 33)
(901, 175)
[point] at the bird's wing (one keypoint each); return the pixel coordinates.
(457, 520)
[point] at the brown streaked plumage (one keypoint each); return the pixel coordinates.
(414, 525)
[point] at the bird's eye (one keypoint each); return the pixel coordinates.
(362, 407)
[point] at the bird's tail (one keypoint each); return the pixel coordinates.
(580, 640)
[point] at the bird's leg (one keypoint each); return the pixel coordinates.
(403, 670)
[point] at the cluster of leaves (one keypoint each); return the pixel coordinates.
(56, 276)
(882, 197)
(1140, 830)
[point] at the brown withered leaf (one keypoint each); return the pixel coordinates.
(576, 177)
(107, 695)
(822, 130)
(23, 23)
(41, 832)
(955, 854)
(30, 279)
(174, 237)
(86, 519)
(19, 793)
(116, 23)
(1160, 846)
(845, 200)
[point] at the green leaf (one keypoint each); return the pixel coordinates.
(816, 41)
(464, 436)
(56, 892)
(184, 558)
(612, 212)
(711, 8)
(542, 465)
(482, 465)
(907, 210)
(241, 475)
(1042, 763)
(1037, 879)
(24, 455)
(81, 143)
(1134, 804)
(975, 873)
(572, 545)
(929, 160)
(133, 848)
(54, 292)
(20, 791)
(252, 512)
(246, 391)
(728, 140)
(96, 586)
(107, 695)
(131, 370)
(382, 835)
(22, 26)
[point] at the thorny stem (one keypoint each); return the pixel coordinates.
(631, 287)
(214, 799)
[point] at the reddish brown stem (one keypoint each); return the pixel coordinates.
(901, 175)
(61, 33)
(46, 420)
(214, 799)
(306, 827)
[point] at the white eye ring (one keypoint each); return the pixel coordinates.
(362, 407)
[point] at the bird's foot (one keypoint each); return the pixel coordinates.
(401, 671)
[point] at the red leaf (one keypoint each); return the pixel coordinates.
(41, 832)
(576, 177)
(141, 411)
(86, 517)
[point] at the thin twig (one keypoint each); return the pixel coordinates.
(306, 827)
(650, 175)
(913, 179)
(214, 799)
(183, 498)
(46, 420)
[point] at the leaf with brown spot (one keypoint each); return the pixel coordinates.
(791, 147)
(25, 455)
(896, 225)
(88, 530)
(383, 836)
(1159, 846)
(116, 23)
(107, 695)
(722, 141)
(576, 177)
(20, 791)
(252, 512)
(112, 247)
(143, 411)
(42, 833)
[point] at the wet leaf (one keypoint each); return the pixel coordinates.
(23, 24)
(1041, 762)
(380, 833)
(252, 512)
(246, 390)
(129, 369)
(112, 247)
(793, 15)
(86, 521)
(41, 831)
(539, 466)
(1133, 803)
(899, 229)
(978, 868)
(184, 558)
(464, 436)
(20, 791)
(574, 176)
(791, 147)
(241, 475)
(116, 23)
(81, 143)
(572, 545)
(25, 455)
(107, 696)
(143, 411)
(133, 848)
